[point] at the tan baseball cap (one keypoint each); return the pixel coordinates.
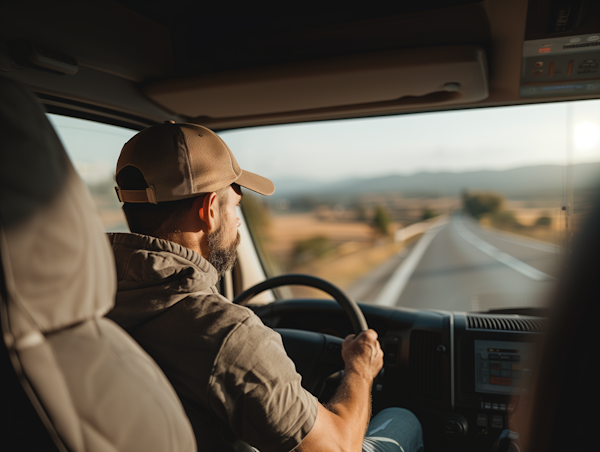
(179, 161)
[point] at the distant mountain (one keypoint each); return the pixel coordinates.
(545, 180)
(294, 186)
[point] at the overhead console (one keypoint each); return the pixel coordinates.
(441, 75)
(561, 52)
(557, 67)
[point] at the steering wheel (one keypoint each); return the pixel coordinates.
(315, 355)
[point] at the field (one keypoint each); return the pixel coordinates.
(354, 248)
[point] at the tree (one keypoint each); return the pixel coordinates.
(543, 220)
(428, 213)
(381, 221)
(479, 203)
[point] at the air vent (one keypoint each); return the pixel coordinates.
(504, 324)
(585, 44)
(426, 364)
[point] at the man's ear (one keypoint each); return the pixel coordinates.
(207, 209)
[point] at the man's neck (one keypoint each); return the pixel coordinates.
(190, 240)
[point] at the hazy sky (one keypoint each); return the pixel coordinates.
(493, 138)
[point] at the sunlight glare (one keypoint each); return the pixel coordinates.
(587, 135)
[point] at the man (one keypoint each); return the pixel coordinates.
(180, 185)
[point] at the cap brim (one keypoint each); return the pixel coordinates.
(255, 183)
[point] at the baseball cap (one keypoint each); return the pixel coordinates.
(183, 160)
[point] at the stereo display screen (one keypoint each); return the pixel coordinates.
(502, 367)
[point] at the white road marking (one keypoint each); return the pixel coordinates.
(392, 291)
(506, 259)
(530, 243)
(381, 427)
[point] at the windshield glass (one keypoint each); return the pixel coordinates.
(461, 210)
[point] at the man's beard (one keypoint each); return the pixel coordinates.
(222, 256)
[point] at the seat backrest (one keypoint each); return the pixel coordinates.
(97, 389)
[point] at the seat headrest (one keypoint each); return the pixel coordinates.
(57, 261)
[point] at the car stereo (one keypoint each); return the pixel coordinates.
(501, 367)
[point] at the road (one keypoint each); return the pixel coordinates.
(459, 266)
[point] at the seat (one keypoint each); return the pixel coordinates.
(89, 383)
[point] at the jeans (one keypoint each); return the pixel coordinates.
(394, 430)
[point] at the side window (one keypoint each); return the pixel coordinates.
(94, 149)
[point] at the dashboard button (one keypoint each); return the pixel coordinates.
(487, 405)
(502, 407)
(494, 356)
(497, 421)
(506, 381)
(482, 420)
(495, 380)
(495, 407)
(495, 372)
(482, 424)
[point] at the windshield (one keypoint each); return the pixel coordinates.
(463, 210)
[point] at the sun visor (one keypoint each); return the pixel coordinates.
(57, 262)
(441, 75)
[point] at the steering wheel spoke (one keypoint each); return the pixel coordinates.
(316, 355)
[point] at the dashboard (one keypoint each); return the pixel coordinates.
(462, 374)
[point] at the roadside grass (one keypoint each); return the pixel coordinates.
(344, 268)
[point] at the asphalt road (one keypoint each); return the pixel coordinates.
(458, 266)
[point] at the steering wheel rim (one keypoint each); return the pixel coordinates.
(357, 319)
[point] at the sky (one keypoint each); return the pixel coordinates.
(491, 138)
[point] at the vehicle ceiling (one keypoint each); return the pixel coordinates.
(131, 52)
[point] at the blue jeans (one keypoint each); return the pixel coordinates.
(394, 430)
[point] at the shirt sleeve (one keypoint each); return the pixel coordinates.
(255, 389)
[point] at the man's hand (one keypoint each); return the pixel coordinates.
(362, 354)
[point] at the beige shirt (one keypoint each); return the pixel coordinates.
(230, 371)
